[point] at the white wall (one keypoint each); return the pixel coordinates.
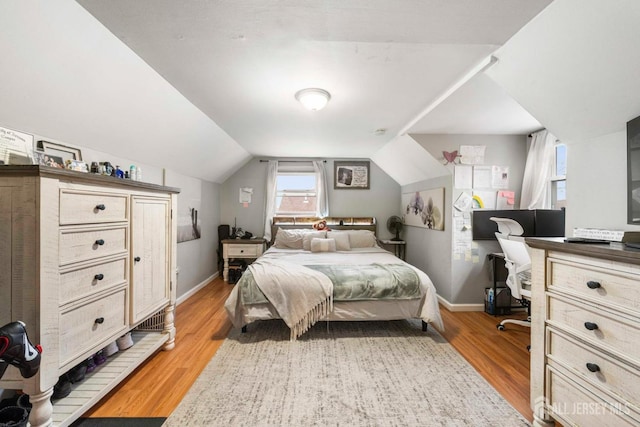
(461, 281)
(65, 75)
(197, 259)
(597, 183)
(381, 201)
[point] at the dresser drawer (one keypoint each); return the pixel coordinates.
(605, 286)
(87, 326)
(78, 207)
(247, 251)
(615, 332)
(80, 283)
(615, 376)
(80, 245)
(574, 405)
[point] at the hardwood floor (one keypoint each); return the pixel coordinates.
(159, 385)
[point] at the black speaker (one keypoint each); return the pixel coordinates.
(224, 231)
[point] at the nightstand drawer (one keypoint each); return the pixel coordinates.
(241, 250)
(80, 283)
(606, 286)
(86, 326)
(80, 245)
(91, 208)
(618, 333)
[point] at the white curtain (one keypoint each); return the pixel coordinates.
(270, 208)
(322, 193)
(536, 183)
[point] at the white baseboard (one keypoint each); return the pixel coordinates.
(460, 307)
(192, 291)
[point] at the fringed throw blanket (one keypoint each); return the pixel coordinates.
(299, 305)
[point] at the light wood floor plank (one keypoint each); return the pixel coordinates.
(158, 386)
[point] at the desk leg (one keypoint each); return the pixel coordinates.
(225, 271)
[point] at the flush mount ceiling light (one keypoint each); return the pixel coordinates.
(313, 99)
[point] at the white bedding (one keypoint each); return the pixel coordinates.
(425, 308)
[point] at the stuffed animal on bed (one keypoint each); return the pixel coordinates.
(321, 225)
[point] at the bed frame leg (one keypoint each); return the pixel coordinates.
(244, 329)
(424, 326)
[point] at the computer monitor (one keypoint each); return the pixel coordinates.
(536, 222)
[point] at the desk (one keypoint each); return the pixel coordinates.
(240, 248)
(399, 247)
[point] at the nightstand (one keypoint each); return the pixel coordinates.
(240, 248)
(399, 247)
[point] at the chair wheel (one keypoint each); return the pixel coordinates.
(500, 327)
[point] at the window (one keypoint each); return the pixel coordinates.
(296, 194)
(559, 178)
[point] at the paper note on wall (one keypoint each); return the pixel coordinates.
(484, 199)
(482, 177)
(506, 200)
(500, 177)
(463, 177)
(472, 154)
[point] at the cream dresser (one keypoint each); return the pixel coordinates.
(83, 260)
(585, 334)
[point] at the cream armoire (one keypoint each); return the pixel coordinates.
(84, 259)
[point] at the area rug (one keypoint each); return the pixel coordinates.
(118, 422)
(341, 374)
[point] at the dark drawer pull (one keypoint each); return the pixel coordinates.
(100, 242)
(590, 326)
(99, 276)
(593, 284)
(137, 259)
(101, 207)
(593, 367)
(99, 320)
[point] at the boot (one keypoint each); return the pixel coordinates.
(17, 350)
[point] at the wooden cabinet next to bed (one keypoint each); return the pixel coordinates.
(248, 249)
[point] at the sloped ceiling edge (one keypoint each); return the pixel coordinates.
(574, 67)
(407, 162)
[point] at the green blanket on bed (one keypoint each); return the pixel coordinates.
(352, 283)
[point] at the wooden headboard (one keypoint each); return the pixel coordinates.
(334, 223)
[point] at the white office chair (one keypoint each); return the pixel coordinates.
(518, 264)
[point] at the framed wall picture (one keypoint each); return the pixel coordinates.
(351, 174)
(59, 150)
(16, 148)
(424, 209)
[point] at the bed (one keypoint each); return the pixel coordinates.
(308, 275)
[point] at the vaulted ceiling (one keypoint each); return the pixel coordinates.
(202, 86)
(383, 62)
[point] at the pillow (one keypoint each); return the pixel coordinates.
(290, 239)
(362, 239)
(342, 240)
(323, 245)
(306, 238)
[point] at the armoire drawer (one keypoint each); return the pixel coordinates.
(78, 207)
(85, 244)
(88, 325)
(593, 366)
(574, 405)
(617, 333)
(80, 283)
(605, 286)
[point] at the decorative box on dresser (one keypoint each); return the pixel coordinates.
(83, 260)
(585, 334)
